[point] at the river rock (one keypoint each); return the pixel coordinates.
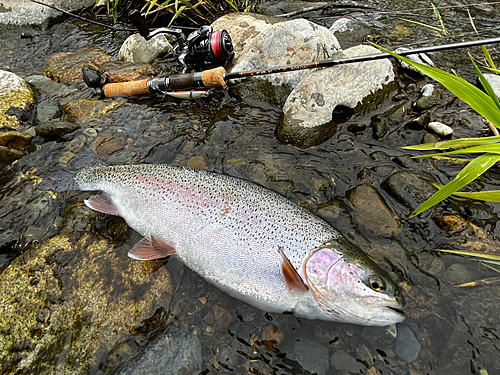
(8, 155)
(420, 58)
(136, 49)
(16, 96)
(25, 12)
(55, 128)
(494, 81)
(84, 110)
(66, 67)
(76, 304)
(341, 360)
(51, 88)
(371, 211)
(440, 129)
(327, 97)
(177, 353)
(14, 139)
(243, 28)
(409, 189)
(311, 355)
(350, 32)
(119, 71)
(48, 110)
(283, 43)
(429, 96)
(407, 346)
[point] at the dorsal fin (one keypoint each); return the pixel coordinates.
(292, 277)
(102, 203)
(150, 248)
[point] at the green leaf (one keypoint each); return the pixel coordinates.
(469, 93)
(455, 143)
(493, 149)
(486, 85)
(470, 172)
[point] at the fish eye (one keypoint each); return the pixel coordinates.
(376, 283)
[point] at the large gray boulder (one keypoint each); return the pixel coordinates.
(327, 97)
(25, 12)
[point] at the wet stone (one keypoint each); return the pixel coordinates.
(430, 138)
(57, 312)
(429, 96)
(8, 155)
(311, 355)
(48, 110)
(420, 122)
(55, 128)
(341, 360)
(409, 189)
(119, 71)
(407, 346)
(329, 212)
(450, 223)
(16, 96)
(84, 110)
(66, 67)
(272, 336)
(15, 139)
(372, 211)
(108, 142)
(222, 317)
(457, 274)
(177, 353)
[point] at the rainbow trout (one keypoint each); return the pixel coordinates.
(247, 240)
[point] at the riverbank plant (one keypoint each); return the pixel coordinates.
(484, 103)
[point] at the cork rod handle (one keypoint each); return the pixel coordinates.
(131, 88)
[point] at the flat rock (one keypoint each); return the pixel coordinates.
(371, 211)
(327, 97)
(74, 304)
(66, 67)
(15, 93)
(15, 139)
(407, 346)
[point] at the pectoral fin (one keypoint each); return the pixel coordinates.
(150, 248)
(292, 277)
(103, 203)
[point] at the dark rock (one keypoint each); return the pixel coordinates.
(177, 353)
(409, 189)
(108, 142)
(66, 67)
(8, 155)
(371, 211)
(311, 355)
(379, 127)
(430, 138)
(341, 360)
(429, 96)
(450, 223)
(457, 274)
(55, 129)
(407, 346)
(48, 110)
(356, 128)
(420, 122)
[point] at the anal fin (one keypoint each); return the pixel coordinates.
(103, 203)
(150, 248)
(292, 277)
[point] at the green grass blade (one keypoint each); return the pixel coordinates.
(486, 85)
(490, 256)
(487, 196)
(493, 149)
(469, 93)
(455, 143)
(470, 172)
(496, 262)
(421, 24)
(493, 268)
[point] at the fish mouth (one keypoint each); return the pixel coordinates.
(395, 309)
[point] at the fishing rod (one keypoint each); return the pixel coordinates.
(218, 77)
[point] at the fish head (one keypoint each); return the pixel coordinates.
(351, 288)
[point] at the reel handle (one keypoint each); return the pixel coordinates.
(207, 79)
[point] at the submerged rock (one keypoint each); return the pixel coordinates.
(429, 96)
(407, 346)
(409, 189)
(177, 353)
(74, 304)
(16, 99)
(330, 96)
(66, 67)
(371, 211)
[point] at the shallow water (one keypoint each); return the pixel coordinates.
(456, 327)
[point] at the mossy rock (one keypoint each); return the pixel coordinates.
(16, 96)
(74, 303)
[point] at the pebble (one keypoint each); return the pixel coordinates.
(341, 360)
(48, 110)
(440, 129)
(272, 336)
(407, 346)
(429, 96)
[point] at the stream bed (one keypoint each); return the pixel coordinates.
(363, 184)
